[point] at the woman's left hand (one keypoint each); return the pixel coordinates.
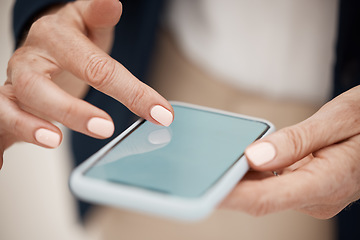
(318, 160)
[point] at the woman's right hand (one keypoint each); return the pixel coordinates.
(74, 38)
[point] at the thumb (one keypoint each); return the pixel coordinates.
(100, 17)
(102, 14)
(331, 124)
(283, 148)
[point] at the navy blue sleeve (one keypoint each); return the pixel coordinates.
(347, 65)
(25, 12)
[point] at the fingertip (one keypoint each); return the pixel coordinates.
(103, 13)
(260, 154)
(162, 115)
(101, 127)
(48, 138)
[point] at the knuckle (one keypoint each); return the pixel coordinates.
(100, 71)
(261, 207)
(17, 125)
(7, 92)
(350, 111)
(43, 24)
(16, 60)
(341, 195)
(67, 113)
(260, 204)
(296, 138)
(136, 96)
(15, 57)
(322, 211)
(39, 32)
(23, 84)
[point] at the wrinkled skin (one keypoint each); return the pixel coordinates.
(320, 163)
(65, 51)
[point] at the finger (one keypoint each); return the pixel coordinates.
(336, 121)
(320, 188)
(24, 126)
(100, 16)
(58, 105)
(109, 76)
(263, 197)
(301, 190)
(73, 51)
(272, 194)
(338, 166)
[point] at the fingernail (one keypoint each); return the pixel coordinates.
(261, 153)
(162, 115)
(47, 137)
(101, 127)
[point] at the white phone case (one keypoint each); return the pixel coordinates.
(152, 202)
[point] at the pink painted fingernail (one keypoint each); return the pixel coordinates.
(47, 137)
(162, 115)
(101, 127)
(261, 153)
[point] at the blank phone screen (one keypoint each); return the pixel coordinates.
(183, 160)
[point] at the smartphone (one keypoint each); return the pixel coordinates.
(182, 171)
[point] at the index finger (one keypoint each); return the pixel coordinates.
(74, 52)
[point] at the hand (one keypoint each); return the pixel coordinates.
(74, 38)
(319, 159)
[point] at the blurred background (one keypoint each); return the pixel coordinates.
(35, 200)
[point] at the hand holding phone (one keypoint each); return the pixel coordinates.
(182, 171)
